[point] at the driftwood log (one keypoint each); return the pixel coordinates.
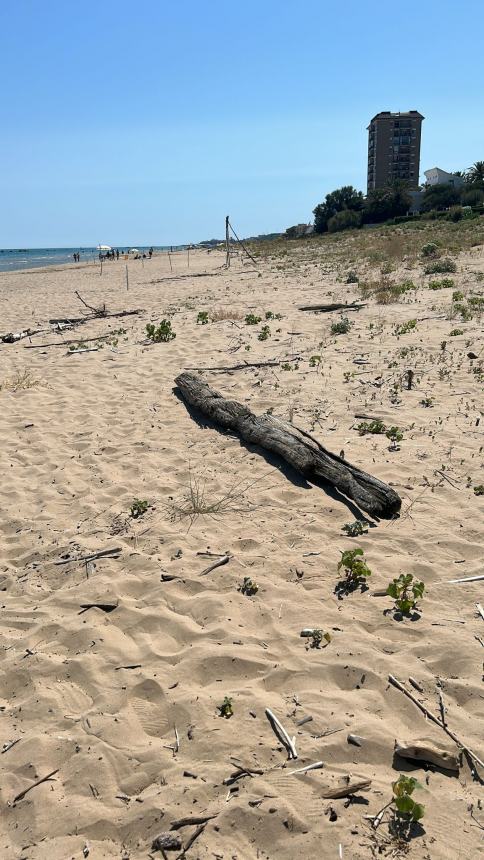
(423, 750)
(336, 306)
(295, 446)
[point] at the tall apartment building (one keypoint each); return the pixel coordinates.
(394, 148)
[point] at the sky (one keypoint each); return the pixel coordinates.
(148, 122)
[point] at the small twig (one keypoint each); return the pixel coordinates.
(8, 746)
(191, 821)
(99, 312)
(467, 579)
(104, 553)
(224, 560)
(316, 766)
(22, 794)
(198, 832)
(281, 733)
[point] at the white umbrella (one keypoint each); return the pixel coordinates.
(134, 251)
(104, 248)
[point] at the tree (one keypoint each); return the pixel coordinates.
(344, 220)
(476, 172)
(346, 197)
(439, 197)
(384, 203)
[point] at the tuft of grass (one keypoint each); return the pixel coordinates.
(341, 327)
(197, 500)
(22, 380)
(220, 314)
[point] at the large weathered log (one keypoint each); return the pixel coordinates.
(336, 306)
(297, 447)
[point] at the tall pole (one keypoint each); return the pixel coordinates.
(227, 243)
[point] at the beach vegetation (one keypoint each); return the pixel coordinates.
(406, 590)
(374, 427)
(160, 334)
(354, 567)
(248, 587)
(356, 528)
(342, 326)
(138, 508)
(225, 709)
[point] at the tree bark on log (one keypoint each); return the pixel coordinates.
(295, 446)
(337, 306)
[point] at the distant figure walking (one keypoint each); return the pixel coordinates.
(150, 252)
(117, 253)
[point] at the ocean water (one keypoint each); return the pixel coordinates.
(29, 258)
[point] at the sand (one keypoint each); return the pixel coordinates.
(96, 695)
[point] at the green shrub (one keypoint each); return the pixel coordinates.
(443, 284)
(352, 277)
(202, 318)
(265, 333)
(431, 249)
(405, 328)
(346, 220)
(341, 327)
(440, 267)
(375, 427)
(251, 319)
(162, 334)
(456, 332)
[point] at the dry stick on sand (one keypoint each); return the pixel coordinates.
(22, 794)
(224, 560)
(346, 790)
(467, 579)
(103, 553)
(242, 366)
(67, 342)
(190, 821)
(337, 306)
(396, 683)
(279, 730)
(298, 448)
(98, 312)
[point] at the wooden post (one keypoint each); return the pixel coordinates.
(169, 257)
(101, 266)
(127, 278)
(227, 243)
(188, 253)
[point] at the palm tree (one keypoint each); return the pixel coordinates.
(476, 172)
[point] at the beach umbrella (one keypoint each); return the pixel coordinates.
(104, 248)
(134, 251)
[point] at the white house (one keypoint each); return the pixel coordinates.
(436, 176)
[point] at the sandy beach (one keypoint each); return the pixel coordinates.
(113, 669)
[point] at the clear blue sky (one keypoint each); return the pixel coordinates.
(147, 122)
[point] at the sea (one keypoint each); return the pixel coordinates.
(13, 259)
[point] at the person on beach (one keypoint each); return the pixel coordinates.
(117, 253)
(150, 252)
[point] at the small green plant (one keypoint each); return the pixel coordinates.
(395, 435)
(248, 587)
(265, 333)
(406, 590)
(430, 250)
(226, 710)
(405, 287)
(440, 267)
(406, 810)
(479, 490)
(286, 366)
(317, 636)
(251, 319)
(162, 334)
(138, 508)
(456, 332)
(202, 318)
(271, 316)
(341, 327)
(352, 277)
(354, 566)
(355, 529)
(457, 296)
(374, 427)
(428, 402)
(464, 311)
(443, 284)
(348, 375)
(315, 361)
(405, 328)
